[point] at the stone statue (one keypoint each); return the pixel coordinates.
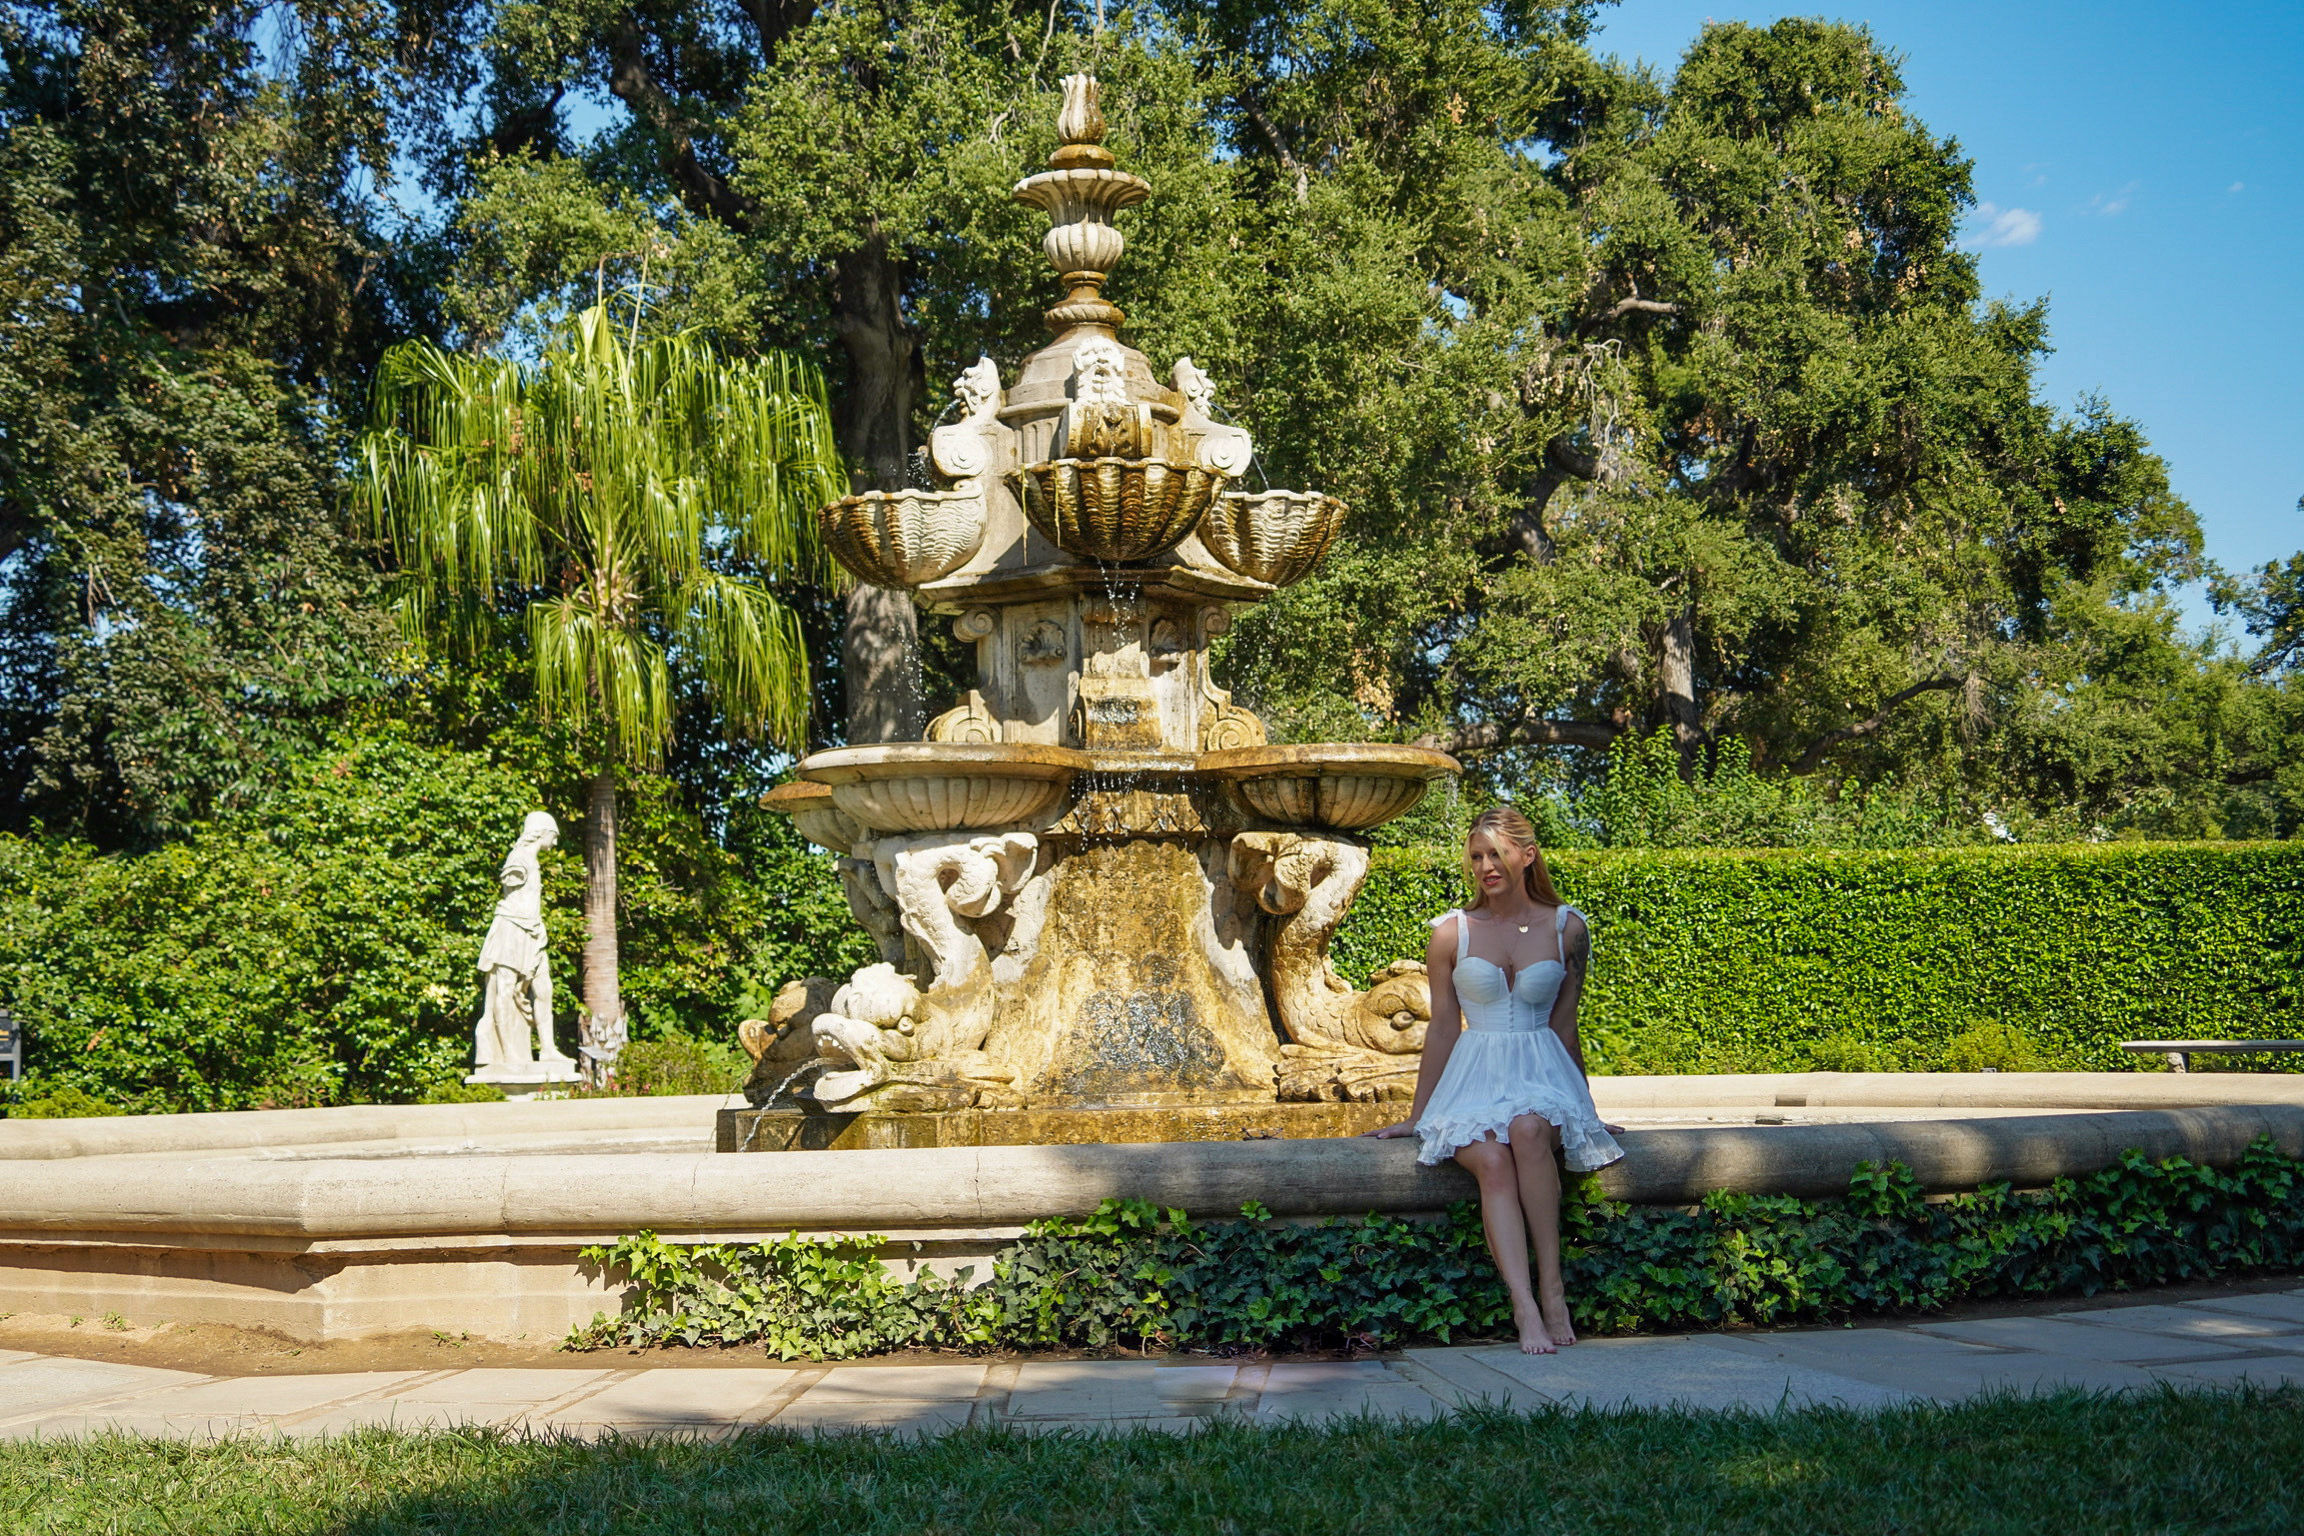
(1198, 390)
(978, 390)
(1102, 419)
(1343, 1044)
(516, 1007)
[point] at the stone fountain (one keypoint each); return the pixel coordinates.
(1103, 900)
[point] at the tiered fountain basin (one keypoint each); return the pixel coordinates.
(922, 786)
(1078, 945)
(1342, 787)
(850, 795)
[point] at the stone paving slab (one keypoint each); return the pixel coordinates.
(1944, 1369)
(1461, 1379)
(2184, 1322)
(216, 1407)
(915, 1417)
(1088, 1389)
(1323, 1389)
(2262, 1371)
(1682, 1373)
(660, 1401)
(32, 1389)
(1197, 1383)
(904, 1383)
(488, 1397)
(917, 1399)
(2054, 1335)
(2287, 1307)
(2197, 1345)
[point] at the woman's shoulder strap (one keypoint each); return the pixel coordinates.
(1463, 929)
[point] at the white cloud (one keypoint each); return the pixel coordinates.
(2238, 186)
(2006, 226)
(2111, 204)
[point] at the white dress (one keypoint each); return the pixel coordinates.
(1510, 1062)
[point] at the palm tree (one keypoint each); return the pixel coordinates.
(610, 491)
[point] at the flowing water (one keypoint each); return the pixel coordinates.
(813, 1063)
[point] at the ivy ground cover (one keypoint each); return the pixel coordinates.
(1133, 1276)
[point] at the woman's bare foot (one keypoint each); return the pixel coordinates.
(1535, 1333)
(1554, 1310)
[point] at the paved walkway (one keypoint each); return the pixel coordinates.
(2198, 1344)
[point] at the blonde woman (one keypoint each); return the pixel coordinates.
(1502, 1080)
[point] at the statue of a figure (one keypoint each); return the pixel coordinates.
(978, 390)
(1102, 419)
(517, 1001)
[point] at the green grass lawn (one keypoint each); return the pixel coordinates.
(2223, 1462)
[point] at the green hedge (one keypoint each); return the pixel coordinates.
(2043, 956)
(317, 947)
(1135, 1276)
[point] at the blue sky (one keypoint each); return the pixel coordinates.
(2137, 165)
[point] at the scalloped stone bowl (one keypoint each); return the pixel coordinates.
(1343, 786)
(1275, 537)
(938, 786)
(900, 539)
(1116, 511)
(814, 815)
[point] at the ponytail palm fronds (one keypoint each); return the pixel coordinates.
(612, 492)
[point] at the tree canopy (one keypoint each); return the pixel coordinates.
(1663, 401)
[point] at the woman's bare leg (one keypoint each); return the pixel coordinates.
(1539, 1191)
(1500, 1218)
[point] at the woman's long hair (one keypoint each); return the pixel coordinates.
(1507, 824)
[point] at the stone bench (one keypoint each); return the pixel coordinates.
(2179, 1052)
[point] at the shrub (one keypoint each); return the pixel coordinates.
(1751, 961)
(1135, 1276)
(678, 1064)
(1645, 802)
(65, 1103)
(1991, 1047)
(455, 1091)
(1846, 1053)
(317, 947)
(314, 951)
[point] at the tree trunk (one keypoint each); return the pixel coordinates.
(603, 1033)
(880, 666)
(1676, 670)
(880, 638)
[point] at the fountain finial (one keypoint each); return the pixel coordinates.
(1080, 123)
(1080, 192)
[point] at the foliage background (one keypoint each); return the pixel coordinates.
(2041, 957)
(1700, 498)
(319, 949)
(322, 954)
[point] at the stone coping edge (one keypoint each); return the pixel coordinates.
(944, 1187)
(118, 1135)
(1950, 1090)
(239, 1129)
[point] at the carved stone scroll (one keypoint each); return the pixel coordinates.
(1224, 725)
(1343, 1044)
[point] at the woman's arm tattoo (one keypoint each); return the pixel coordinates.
(1579, 953)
